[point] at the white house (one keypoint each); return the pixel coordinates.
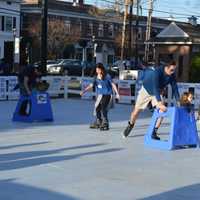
(9, 30)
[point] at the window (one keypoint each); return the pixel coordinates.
(2, 23)
(90, 28)
(100, 30)
(111, 30)
(14, 22)
(9, 24)
(67, 26)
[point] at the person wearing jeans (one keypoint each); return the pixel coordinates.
(104, 88)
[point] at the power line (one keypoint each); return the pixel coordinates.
(179, 7)
(154, 10)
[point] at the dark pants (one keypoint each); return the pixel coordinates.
(102, 108)
(25, 103)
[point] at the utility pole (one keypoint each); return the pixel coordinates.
(136, 34)
(130, 28)
(44, 36)
(148, 31)
(124, 29)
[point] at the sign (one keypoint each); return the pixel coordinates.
(124, 89)
(128, 74)
(12, 82)
(41, 98)
(3, 88)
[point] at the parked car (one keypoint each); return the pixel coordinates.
(49, 63)
(71, 67)
(127, 65)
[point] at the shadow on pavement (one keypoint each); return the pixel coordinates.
(31, 154)
(29, 159)
(191, 192)
(12, 190)
(21, 145)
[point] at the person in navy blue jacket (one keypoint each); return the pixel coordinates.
(104, 87)
(153, 83)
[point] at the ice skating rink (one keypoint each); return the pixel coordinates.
(65, 160)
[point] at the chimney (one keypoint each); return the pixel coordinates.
(192, 20)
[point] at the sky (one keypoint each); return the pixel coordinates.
(180, 10)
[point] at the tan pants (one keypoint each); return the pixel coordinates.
(144, 98)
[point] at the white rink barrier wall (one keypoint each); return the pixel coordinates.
(8, 83)
(65, 85)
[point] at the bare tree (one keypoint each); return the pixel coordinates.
(59, 36)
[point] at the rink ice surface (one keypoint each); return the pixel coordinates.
(65, 160)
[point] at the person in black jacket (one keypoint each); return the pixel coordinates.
(27, 81)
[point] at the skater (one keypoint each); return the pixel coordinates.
(153, 83)
(186, 101)
(27, 81)
(104, 89)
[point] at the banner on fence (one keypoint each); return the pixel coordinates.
(124, 89)
(56, 84)
(3, 88)
(12, 82)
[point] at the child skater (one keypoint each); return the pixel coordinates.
(186, 101)
(104, 88)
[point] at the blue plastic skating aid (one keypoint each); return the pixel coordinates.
(40, 109)
(183, 130)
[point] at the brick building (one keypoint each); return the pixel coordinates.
(94, 30)
(101, 30)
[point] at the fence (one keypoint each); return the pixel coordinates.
(63, 86)
(7, 84)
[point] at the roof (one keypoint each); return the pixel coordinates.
(172, 31)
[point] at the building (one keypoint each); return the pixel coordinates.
(180, 43)
(99, 31)
(10, 30)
